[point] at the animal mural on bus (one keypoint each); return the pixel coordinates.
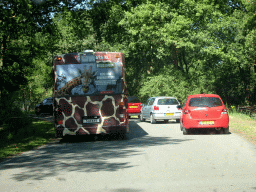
(85, 78)
(69, 110)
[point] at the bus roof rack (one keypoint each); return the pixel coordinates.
(88, 51)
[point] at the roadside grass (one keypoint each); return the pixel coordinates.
(39, 133)
(243, 125)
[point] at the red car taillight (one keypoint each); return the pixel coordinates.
(186, 112)
(224, 111)
(156, 108)
(121, 111)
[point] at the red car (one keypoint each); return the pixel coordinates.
(204, 111)
(134, 106)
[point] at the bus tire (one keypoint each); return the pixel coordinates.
(122, 136)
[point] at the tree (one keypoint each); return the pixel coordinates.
(20, 22)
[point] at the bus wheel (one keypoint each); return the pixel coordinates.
(117, 136)
(122, 136)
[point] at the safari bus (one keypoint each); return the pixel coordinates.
(90, 94)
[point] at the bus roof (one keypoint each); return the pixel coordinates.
(74, 58)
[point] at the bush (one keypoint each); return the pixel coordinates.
(16, 119)
(16, 123)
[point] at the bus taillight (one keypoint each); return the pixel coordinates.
(121, 111)
(59, 58)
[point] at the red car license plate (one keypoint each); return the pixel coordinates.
(206, 122)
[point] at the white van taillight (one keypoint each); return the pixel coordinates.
(156, 108)
(224, 111)
(121, 111)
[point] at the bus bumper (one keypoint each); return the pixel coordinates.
(62, 131)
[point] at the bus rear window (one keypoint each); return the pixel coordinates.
(88, 79)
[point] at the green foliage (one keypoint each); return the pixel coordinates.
(25, 36)
(14, 117)
(170, 82)
(19, 124)
(75, 33)
(36, 134)
(185, 46)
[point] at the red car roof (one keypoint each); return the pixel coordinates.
(204, 95)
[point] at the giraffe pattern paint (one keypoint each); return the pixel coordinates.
(69, 110)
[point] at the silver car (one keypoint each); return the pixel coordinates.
(161, 108)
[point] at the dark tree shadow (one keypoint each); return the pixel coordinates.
(81, 154)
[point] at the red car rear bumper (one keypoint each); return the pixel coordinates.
(189, 123)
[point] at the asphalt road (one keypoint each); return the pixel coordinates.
(153, 158)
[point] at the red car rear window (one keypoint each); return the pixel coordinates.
(133, 99)
(167, 101)
(205, 102)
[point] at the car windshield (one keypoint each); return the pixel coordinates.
(133, 99)
(205, 102)
(167, 101)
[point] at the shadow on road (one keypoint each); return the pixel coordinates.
(206, 132)
(84, 156)
(134, 132)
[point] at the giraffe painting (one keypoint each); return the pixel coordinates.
(90, 98)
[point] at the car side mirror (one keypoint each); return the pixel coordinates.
(179, 106)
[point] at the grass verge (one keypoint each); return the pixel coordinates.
(244, 126)
(36, 135)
